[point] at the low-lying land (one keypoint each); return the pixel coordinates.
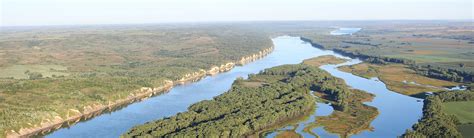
(355, 119)
(439, 120)
(441, 50)
(284, 93)
(323, 60)
(463, 110)
(344, 122)
(399, 78)
(48, 74)
(51, 74)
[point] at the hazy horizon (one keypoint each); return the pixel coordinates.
(90, 12)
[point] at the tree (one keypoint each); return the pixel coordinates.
(34, 75)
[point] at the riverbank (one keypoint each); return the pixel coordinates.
(274, 96)
(438, 121)
(145, 92)
(288, 50)
(423, 62)
(350, 114)
(399, 78)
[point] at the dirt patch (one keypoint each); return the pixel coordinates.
(323, 60)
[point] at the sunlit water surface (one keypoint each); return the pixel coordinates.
(397, 112)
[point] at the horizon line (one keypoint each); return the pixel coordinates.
(227, 21)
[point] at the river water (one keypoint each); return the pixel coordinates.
(397, 112)
(345, 31)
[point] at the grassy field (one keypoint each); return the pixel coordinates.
(51, 72)
(399, 78)
(445, 45)
(323, 60)
(45, 72)
(445, 114)
(463, 110)
(19, 71)
(466, 130)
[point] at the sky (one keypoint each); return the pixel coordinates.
(83, 12)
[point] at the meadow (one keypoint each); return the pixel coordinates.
(445, 114)
(441, 50)
(399, 78)
(463, 110)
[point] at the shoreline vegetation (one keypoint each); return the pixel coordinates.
(138, 95)
(345, 122)
(264, 100)
(49, 74)
(433, 71)
(106, 68)
(412, 64)
(439, 50)
(438, 122)
(399, 78)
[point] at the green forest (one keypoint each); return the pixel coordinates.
(53, 72)
(59, 71)
(436, 122)
(263, 100)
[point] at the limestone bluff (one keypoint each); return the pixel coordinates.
(90, 111)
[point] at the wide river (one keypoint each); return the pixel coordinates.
(397, 112)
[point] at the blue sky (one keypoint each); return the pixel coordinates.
(75, 12)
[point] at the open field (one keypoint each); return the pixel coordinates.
(58, 72)
(399, 78)
(463, 110)
(323, 60)
(21, 71)
(445, 114)
(466, 130)
(442, 50)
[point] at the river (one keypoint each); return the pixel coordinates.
(345, 31)
(397, 112)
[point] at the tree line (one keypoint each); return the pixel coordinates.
(247, 109)
(436, 123)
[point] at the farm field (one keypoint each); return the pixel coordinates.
(463, 110)
(442, 50)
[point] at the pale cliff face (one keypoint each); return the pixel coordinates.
(75, 115)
